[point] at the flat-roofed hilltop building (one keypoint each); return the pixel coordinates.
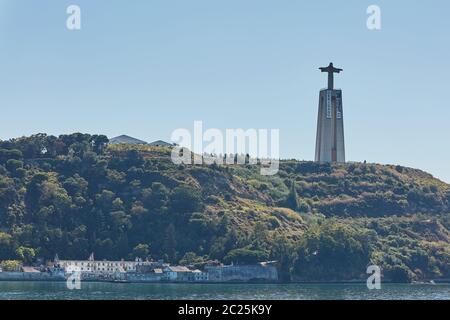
(160, 143)
(124, 139)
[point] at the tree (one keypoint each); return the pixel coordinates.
(170, 243)
(399, 274)
(120, 221)
(260, 235)
(26, 255)
(34, 189)
(304, 207)
(244, 256)
(224, 225)
(10, 265)
(292, 198)
(185, 199)
(12, 165)
(141, 251)
(105, 199)
(99, 142)
(75, 185)
(6, 155)
(158, 196)
(333, 250)
(283, 251)
(6, 246)
(191, 258)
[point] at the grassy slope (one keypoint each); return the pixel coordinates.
(341, 191)
(407, 208)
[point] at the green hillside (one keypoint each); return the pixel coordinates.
(75, 194)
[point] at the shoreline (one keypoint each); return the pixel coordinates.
(435, 282)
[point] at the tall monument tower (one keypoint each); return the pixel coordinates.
(330, 145)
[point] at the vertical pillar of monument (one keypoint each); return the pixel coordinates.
(330, 144)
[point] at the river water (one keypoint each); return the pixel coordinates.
(90, 290)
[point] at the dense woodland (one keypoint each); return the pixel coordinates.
(76, 194)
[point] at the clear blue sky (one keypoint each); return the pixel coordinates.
(145, 68)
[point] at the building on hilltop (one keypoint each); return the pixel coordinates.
(160, 143)
(124, 139)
